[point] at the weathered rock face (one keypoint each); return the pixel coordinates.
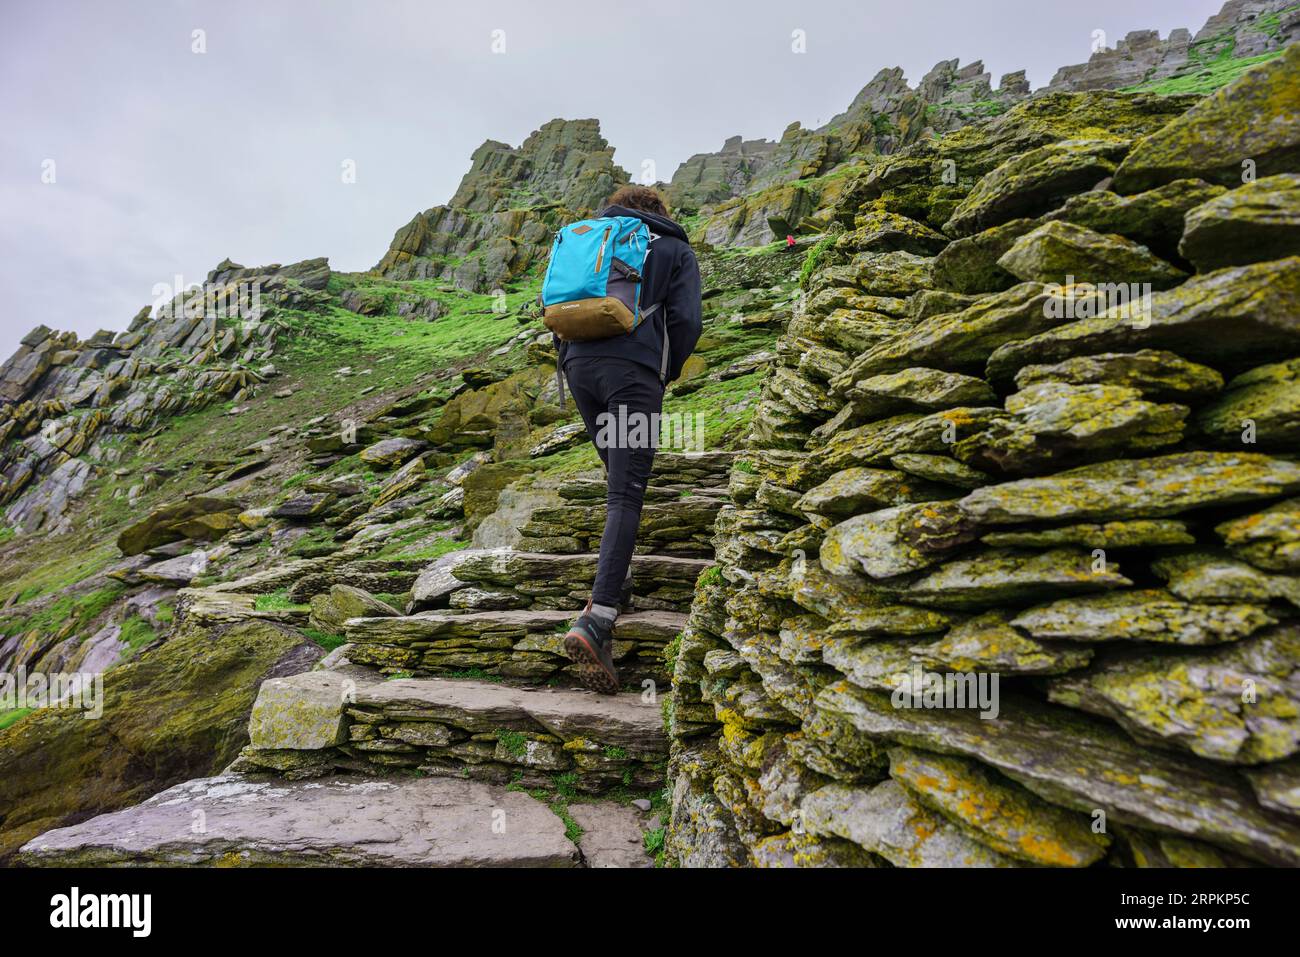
(508, 206)
(1255, 121)
(752, 191)
(61, 399)
(199, 518)
(1013, 581)
(1242, 28)
(154, 731)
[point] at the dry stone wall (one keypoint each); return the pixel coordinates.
(1009, 574)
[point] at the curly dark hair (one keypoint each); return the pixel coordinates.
(639, 197)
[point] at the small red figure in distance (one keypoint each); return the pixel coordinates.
(789, 241)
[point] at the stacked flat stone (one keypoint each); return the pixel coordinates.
(966, 465)
(682, 502)
(322, 722)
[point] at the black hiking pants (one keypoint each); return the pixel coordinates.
(619, 401)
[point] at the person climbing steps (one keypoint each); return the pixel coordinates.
(621, 378)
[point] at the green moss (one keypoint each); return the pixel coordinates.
(615, 753)
(302, 478)
(11, 716)
(514, 742)
(726, 408)
(1206, 80)
(671, 651)
(53, 563)
(138, 635)
(434, 549)
(325, 640)
(810, 261)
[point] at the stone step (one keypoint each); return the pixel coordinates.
(681, 527)
(351, 719)
(505, 578)
(333, 821)
(523, 645)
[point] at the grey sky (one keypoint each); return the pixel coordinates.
(168, 161)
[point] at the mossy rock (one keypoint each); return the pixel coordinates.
(970, 264)
(1158, 375)
(1259, 303)
(1153, 218)
(1261, 406)
(1258, 221)
(1035, 182)
(178, 711)
(1255, 119)
(199, 517)
(1238, 704)
(996, 811)
(1062, 252)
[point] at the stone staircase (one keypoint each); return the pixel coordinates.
(453, 733)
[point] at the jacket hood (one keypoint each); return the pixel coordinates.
(659, 224)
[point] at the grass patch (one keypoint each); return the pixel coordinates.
(514, 742)
(557, 798)
(717, 403)
(66, 614)
(654, 843)
(810, 261)
(138, 635)
(277, 601)
(475, 674)
(11, 716)
(324, 639)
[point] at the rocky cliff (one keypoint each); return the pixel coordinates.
(1018, 410)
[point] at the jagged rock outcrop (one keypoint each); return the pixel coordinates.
(752, 191)
(507, 207)
(60, 398)
(1243, 28)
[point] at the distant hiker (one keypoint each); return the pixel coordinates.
(622, 296)
(789, 241)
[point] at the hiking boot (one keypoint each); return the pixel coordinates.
(589, 644)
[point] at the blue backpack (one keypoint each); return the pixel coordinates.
(592, 288)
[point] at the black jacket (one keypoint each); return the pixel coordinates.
(671, 276)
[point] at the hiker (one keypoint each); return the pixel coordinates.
(621, 340)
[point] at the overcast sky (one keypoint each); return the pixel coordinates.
(165, 160)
